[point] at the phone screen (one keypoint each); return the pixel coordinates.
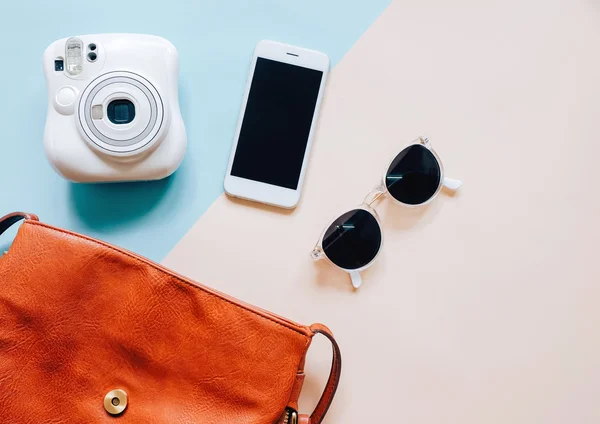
(276, 125)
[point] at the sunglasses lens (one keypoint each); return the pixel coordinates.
(414, 175)
(353, 240)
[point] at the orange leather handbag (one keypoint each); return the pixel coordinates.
(90, 333)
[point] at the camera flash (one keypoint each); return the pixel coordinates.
(74, 56)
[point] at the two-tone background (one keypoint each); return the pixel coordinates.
(484, 306)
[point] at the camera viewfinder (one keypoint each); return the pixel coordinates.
(59, 65)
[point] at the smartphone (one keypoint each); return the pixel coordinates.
(276, 124)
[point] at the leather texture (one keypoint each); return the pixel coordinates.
(79, 318)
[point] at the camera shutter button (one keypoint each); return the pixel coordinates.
(64, 101)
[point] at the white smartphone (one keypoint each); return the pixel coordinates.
(276, 124)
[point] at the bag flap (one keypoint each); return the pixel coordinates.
(79, 318)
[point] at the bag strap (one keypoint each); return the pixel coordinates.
(334, 377)
(11, 219)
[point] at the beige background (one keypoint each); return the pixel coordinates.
(483, 307)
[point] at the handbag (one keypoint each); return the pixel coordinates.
(91, 333)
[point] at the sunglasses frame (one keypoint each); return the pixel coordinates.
(318, 251)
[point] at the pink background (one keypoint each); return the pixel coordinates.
(483, 307)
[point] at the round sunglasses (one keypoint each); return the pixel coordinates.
(353, 240)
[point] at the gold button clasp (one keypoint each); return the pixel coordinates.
(115, 401)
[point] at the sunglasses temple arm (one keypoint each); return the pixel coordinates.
(316, 253)
(356, 279)
(452, 184)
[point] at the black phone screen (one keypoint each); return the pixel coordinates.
(277, 122)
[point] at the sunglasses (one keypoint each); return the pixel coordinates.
(413, 178)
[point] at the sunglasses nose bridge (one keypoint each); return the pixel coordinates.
(374, 195)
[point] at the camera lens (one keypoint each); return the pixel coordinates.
(120, 111)
(92, 47)
(92, 56)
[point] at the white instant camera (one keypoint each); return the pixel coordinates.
(113, 108)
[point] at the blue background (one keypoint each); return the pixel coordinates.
(215, 40)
